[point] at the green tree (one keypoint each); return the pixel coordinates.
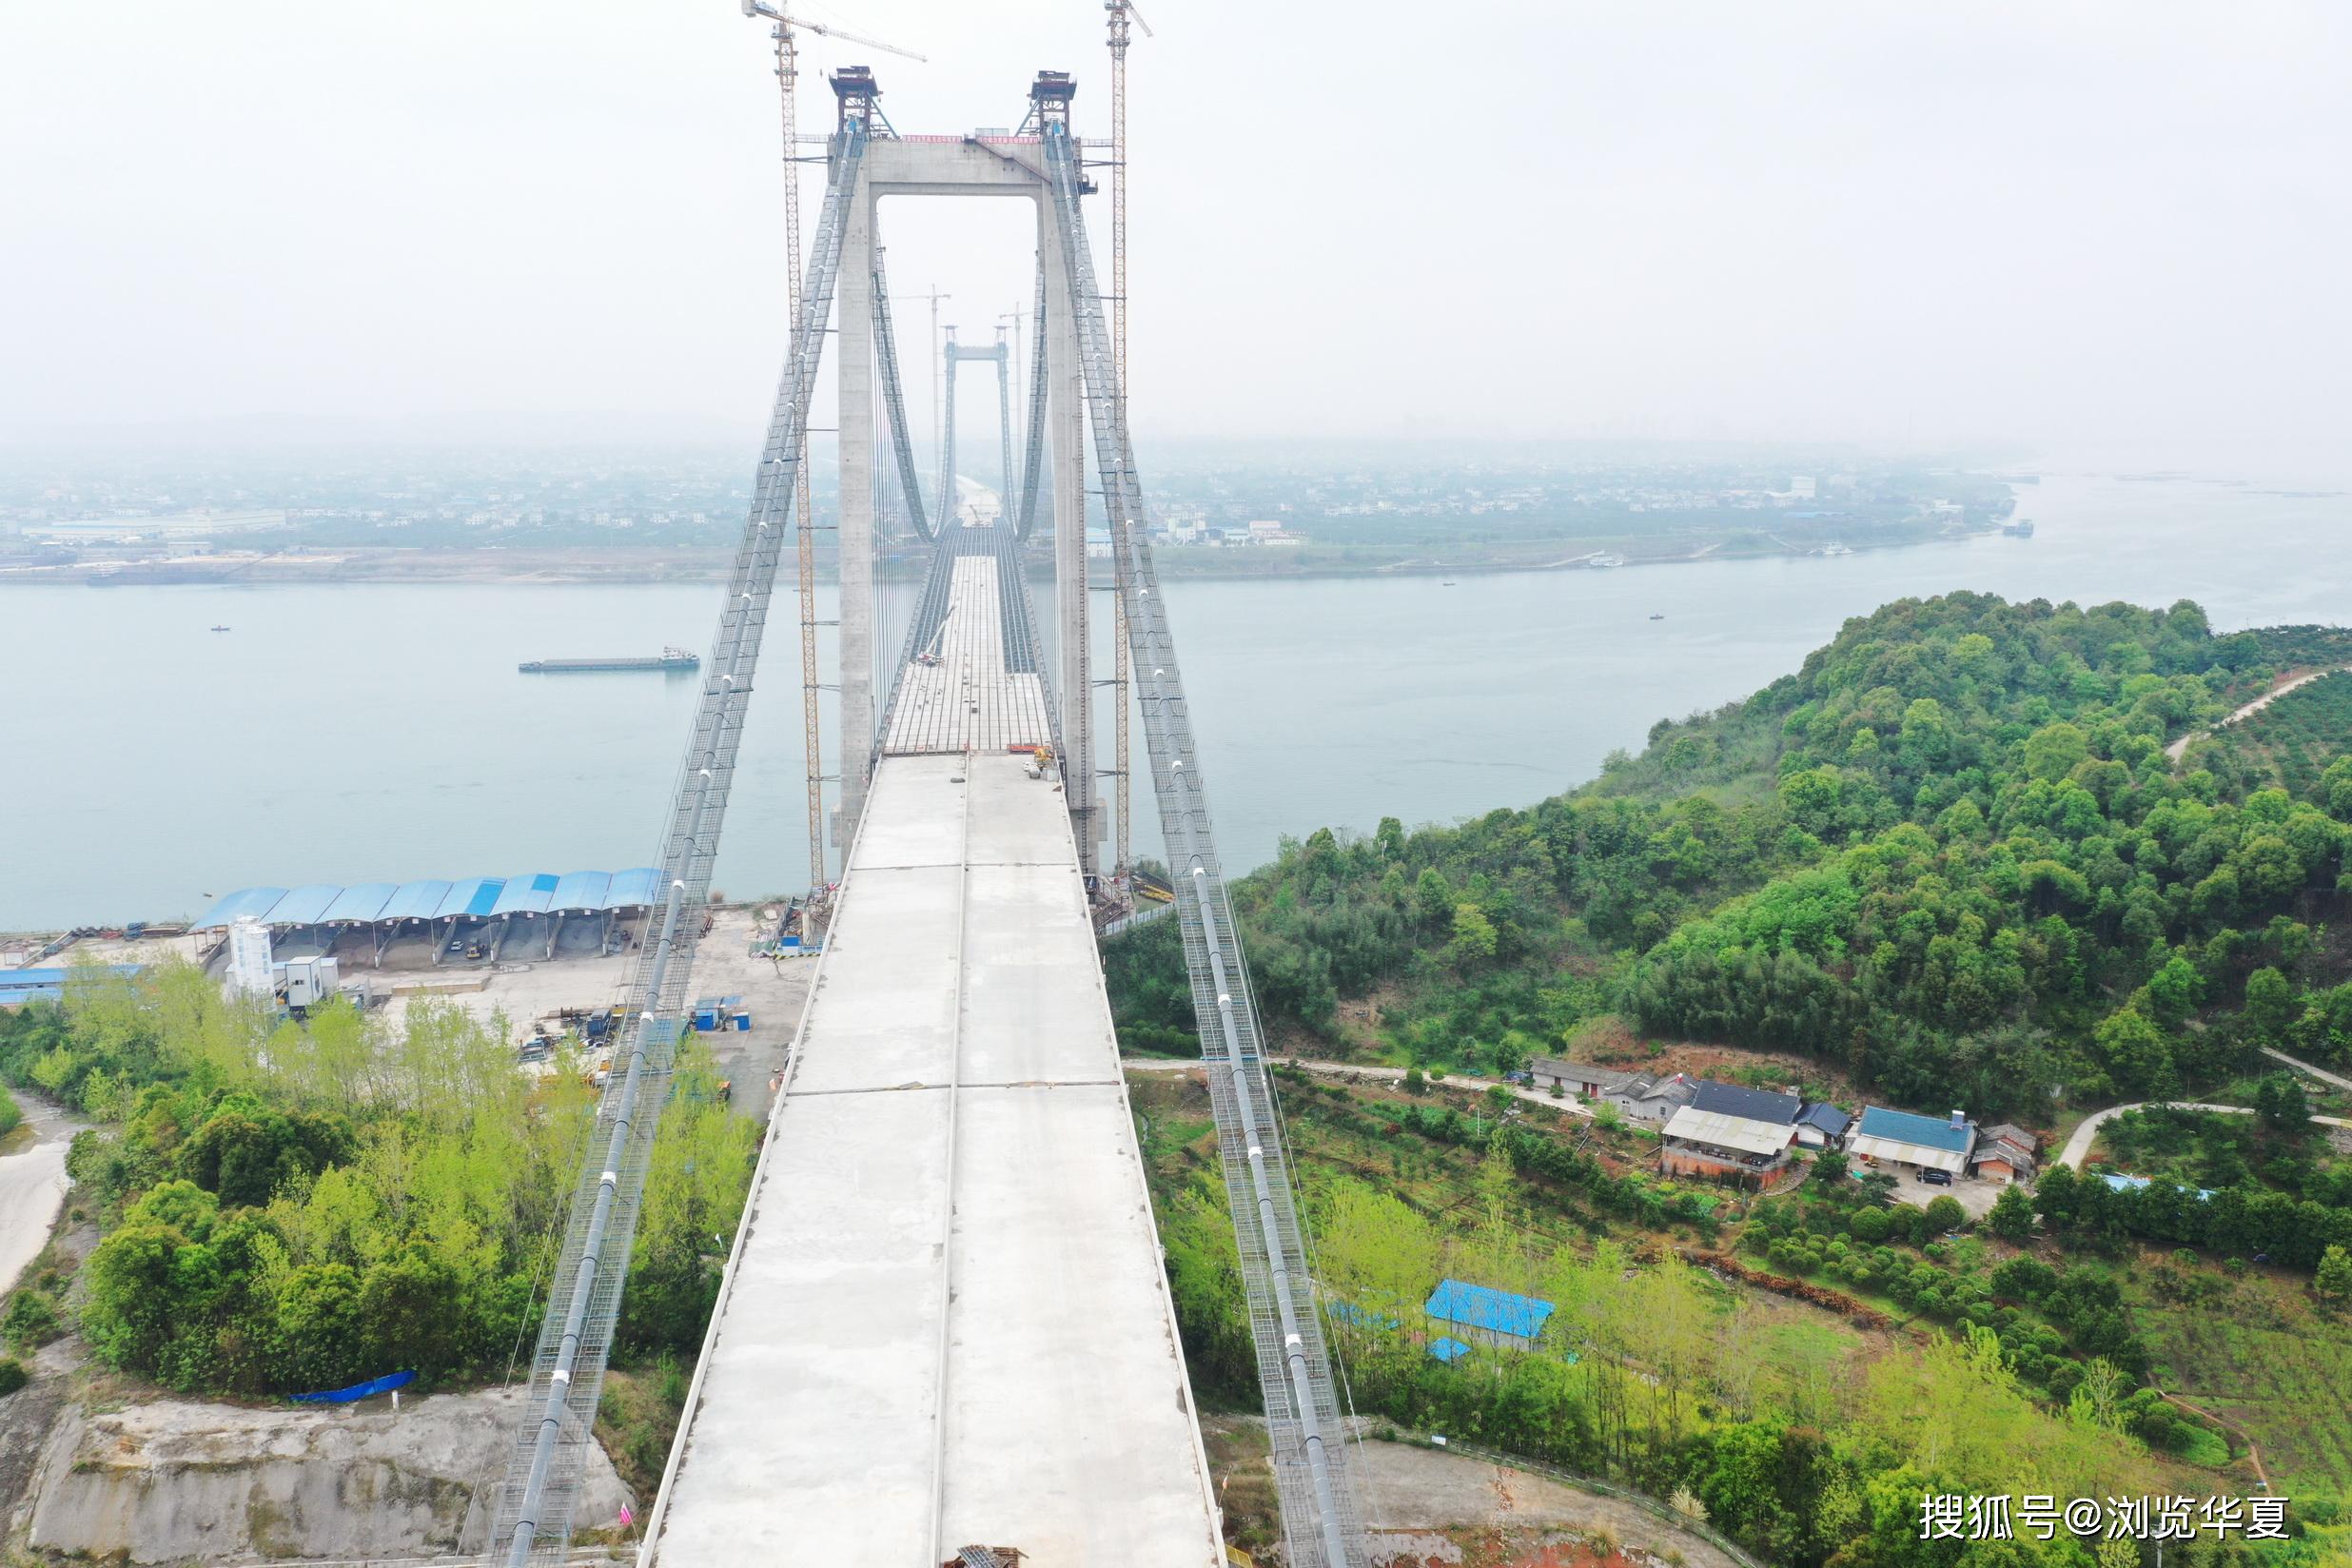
(321, 1326)
(1433, 896)
(2271, 1004)
(2137, 1054)
(2053, 750)
(1474, 940)
(2281, 1103)
(2332, 1282)
(2011, 1218)
(1943, 1214)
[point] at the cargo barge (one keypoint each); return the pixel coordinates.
(669, 659)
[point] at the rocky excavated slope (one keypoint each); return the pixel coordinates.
(170, 1481)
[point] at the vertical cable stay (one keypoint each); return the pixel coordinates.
(1034, 457)
(532, 1522)
(1320, 1522)
(886, 356)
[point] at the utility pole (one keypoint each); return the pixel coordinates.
(1120, 12)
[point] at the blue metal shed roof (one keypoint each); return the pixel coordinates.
(43, 979)
(474, 896)
(1498, 1311)
(360, 904)
(582, 890)
(31, 993)
(1448, 1350)
(527, 894)
(632, 889)
(253, 901)
(1901, 1127)
(414, 901)
(305, 906)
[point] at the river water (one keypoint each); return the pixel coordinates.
(382, 733)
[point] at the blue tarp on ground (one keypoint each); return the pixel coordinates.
(358, 1390)
(527, 894)
(473, 897)
(305, 906)
(1496, 1311)
(256, 902)
(360, 905)
(582, 890)
(632, 889)
(414, 901)
(1448, 1350)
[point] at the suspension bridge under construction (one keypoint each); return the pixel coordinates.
(944, 1333)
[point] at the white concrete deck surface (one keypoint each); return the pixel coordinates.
(946, 1322)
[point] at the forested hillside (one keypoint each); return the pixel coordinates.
(290, 1208)
(1947, 856)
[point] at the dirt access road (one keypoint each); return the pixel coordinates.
(1372, 1075)
(2180, 748)
(32, 1183)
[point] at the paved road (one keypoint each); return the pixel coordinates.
(33, 1185)
(2300, 1065)
(1358, 1070)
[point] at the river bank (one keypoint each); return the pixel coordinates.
(381, 731)
(580, 565)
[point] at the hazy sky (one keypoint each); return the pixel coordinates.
(2121, 225)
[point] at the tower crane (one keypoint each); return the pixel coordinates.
(788, 76)
(786, 23)
(1120, 12)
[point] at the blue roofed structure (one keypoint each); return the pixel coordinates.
(581, 892)
(360, 905)
(54, 978)
(305, 906)
(532, 894)
(256, 902)
(414, 901)
(2141, 1184)
(1906, 1139)
(1448, 1350)
(632, 888)
(473, 898)
(1496, 1316)
(31, 993)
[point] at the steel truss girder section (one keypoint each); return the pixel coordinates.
(533, 1519)
(1322, 1525)
(930, 609)
(886, 351)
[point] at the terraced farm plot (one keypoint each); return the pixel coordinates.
(2270, 1364)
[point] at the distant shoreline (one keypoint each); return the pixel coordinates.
(637, 568)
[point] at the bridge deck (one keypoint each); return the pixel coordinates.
(948, 1322)
(968, 698)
